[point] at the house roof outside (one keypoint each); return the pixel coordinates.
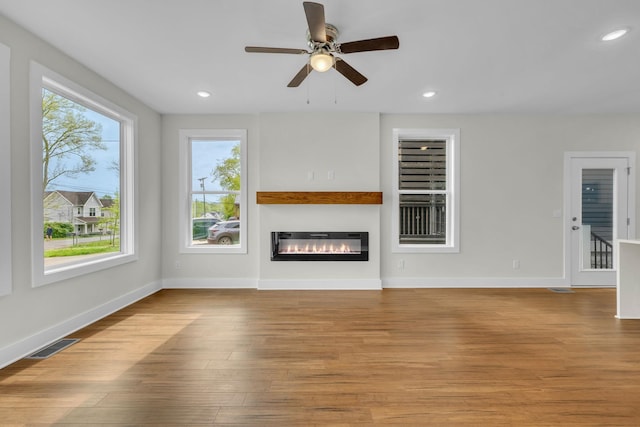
(76, 198)
(106, 202)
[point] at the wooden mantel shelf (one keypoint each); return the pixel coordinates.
(319, 198)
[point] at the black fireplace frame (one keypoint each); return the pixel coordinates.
(278, 236)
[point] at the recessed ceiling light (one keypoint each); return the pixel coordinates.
(614, 35)
(204, 94)
(429, 94)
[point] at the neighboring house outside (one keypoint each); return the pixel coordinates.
(83, 209)
(107, 204)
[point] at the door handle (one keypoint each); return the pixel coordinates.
(575, 227)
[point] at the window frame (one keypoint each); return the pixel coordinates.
(6, 284)
(185, 193)
(42, 77)
(452, 138)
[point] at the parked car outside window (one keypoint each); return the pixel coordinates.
(224, 233)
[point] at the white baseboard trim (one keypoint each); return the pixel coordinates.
(320, 284)
(29, 345)
(365, 284)
(210, 283)
(475, 282)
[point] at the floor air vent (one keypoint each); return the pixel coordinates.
(562, 290)
(52, 349)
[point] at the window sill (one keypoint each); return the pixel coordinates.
(425, 249)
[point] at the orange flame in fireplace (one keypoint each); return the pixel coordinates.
(315, 248)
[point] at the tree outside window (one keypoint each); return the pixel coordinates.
(82, 180)
(80, 174)
(213, 163)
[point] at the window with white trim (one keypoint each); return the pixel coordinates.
(82, 160)
(212, 193)
(426, 190)
(5, 173)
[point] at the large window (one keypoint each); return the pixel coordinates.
(426, 190)
(5, 174)
(213, 191)
(82, 160)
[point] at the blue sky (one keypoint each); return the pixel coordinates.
(104, 181)
(205, 156)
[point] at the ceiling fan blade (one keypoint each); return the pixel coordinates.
(257, 49)
(302, 74)
(315, 20)
(380, 43)
(349, 72)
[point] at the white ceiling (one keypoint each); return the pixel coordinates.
(481, 56)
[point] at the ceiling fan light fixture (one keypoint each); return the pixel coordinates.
(321, 60)
(614, 35)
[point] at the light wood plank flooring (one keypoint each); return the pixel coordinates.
(454, 357)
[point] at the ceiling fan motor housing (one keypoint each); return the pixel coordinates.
(332, 37)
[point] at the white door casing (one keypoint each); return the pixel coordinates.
(602, 182)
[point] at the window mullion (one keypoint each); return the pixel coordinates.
(425, 186)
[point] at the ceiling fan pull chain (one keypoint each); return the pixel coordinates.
(335, 88)
(307, 84)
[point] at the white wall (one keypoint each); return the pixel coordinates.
(31, 317)
(206, 270)
(298, 152)
(5, 170)
(282, 150)
(511, 184)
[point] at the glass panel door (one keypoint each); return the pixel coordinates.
(598, 215)
(597, 219)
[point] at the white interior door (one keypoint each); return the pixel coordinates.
(598, 215)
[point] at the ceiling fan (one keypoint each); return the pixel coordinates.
(322, 40)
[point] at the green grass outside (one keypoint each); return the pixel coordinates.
(88, 248)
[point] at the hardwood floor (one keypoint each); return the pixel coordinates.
(484, 357)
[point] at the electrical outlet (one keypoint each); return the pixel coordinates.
(401, 264)
(178, 265)
(516, 264)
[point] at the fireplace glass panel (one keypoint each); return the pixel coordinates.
(315, 246)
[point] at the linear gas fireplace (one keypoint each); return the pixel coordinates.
(319, 246)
